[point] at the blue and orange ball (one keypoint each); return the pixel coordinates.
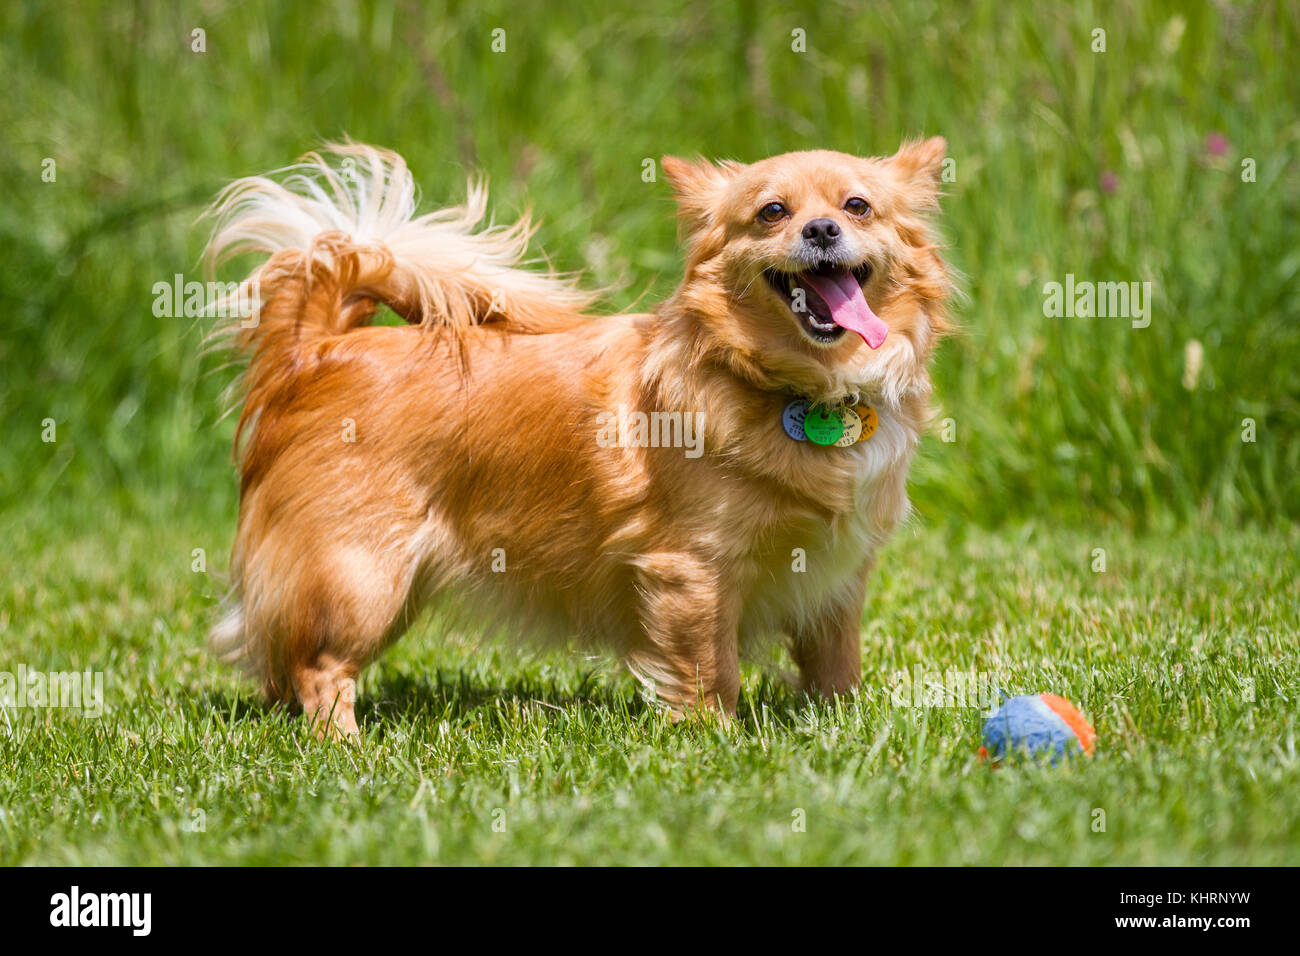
(1042, 725)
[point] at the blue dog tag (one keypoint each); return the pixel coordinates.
(792, 418)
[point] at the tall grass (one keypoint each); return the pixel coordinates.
(1117, 166)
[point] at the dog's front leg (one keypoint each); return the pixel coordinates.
(828, 647)
(688, 645)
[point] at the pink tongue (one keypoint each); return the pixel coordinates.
(849, 309)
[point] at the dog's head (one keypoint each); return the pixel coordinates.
(817, 270)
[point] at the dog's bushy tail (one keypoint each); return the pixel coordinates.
(342, 235)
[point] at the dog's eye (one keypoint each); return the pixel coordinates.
(857, 206)
(773, 212)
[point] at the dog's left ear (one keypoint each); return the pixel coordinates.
(921, 163)
(698, 186)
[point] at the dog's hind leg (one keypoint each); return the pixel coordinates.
(327, 689)
(325, 621)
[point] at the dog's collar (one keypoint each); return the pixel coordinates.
(842, 425)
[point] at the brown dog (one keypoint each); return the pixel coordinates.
(641, 482)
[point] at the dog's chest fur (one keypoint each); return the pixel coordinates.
(825, 532)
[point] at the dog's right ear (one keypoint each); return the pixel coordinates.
(698, 186)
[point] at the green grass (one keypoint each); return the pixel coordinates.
(1075, 417)
(1070, 434)
(1162, 651)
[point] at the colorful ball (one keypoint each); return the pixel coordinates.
(1043, 725)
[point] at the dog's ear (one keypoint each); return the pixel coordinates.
(920, 163)
(698, 186)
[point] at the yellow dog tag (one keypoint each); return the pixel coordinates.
(869, 421)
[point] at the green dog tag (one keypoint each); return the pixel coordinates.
(823, 426)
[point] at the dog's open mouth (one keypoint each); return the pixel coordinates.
(831, 302)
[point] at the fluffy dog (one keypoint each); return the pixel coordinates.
(494, 455)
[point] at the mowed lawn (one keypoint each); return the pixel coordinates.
(1182, 653)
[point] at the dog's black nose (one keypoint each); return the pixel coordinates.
(822, 233)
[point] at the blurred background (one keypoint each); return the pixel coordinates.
(1168, 158)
